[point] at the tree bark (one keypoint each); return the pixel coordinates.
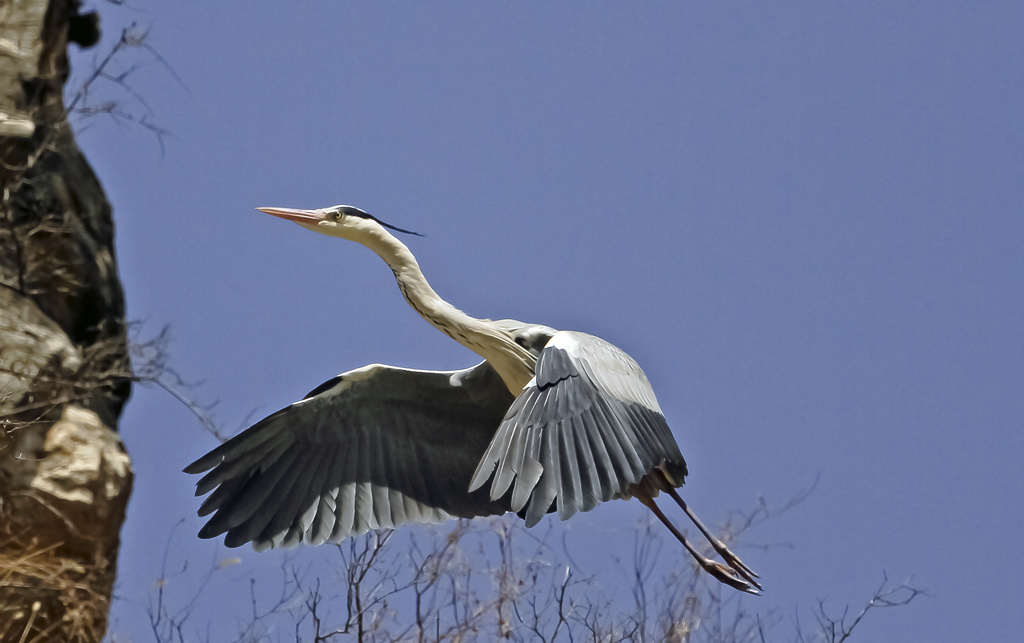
(65, 374)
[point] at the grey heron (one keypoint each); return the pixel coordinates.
(557, 421)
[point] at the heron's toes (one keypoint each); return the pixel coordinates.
(732, 560)
(731, 578)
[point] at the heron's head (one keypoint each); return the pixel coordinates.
(345, 221)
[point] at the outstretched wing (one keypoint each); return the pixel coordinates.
(373, 448)
(584, 429)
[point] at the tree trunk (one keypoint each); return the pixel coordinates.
(64, 367)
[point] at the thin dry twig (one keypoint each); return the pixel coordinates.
(133, 38)
(837, 630)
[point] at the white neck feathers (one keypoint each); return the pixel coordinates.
(514, 363)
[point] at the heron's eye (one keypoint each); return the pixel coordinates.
(337, 215)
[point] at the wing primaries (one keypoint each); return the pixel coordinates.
(580, 433)
(373, 448)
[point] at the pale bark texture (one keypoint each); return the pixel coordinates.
(65, 374)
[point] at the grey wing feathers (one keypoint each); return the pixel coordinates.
(580, 433)
(374, 448)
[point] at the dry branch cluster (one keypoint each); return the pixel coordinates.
(494, 580)
(483, 580)
(491, 580)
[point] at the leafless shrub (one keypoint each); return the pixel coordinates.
(102, 365)
(479, 580)
(151, 367)
(838, 629)
(492, 579)
(115, 70)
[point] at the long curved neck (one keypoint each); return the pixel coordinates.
(514, 363)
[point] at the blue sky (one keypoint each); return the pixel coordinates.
(804, 220)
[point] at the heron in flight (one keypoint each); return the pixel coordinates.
(557, 421)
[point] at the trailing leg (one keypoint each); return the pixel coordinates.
(731, 559)
(720, 572)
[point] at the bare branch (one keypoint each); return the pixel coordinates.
(133, 39)
(836, 629)
(495, 580)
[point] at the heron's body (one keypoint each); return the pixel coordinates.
(557, 421)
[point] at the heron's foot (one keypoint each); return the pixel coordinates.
(730, 577)
(732, 560)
